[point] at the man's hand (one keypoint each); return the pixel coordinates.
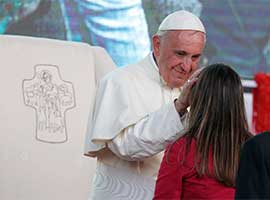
(182, 102)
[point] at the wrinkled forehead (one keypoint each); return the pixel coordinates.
(194, 40)
(189, 36)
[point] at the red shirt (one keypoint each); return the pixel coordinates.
(177, 180)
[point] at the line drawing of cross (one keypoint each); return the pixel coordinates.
(51, 97)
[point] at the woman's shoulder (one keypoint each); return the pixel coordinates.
(184, 140)
(180, 149)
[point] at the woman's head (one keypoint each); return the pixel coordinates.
(218, 97)
(217, 120)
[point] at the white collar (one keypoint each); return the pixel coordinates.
(162, 81)
(153, 62)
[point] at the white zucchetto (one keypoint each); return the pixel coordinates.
(182, 20)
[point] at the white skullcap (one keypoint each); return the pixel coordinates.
(181, 20)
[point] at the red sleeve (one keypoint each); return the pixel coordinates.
(169, 182)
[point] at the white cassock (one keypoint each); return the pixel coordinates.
(133, 121)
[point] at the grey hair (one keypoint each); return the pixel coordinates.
(161, 33)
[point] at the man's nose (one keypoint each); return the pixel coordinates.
(187, 62)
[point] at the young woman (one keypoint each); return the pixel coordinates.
(203, 163)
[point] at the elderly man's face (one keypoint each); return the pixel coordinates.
(177, 54)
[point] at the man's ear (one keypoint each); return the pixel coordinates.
(156, 45)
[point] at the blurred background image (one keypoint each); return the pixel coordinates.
(238, 31)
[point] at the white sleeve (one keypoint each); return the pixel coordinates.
(149, 136)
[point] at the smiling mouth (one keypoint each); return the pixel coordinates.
(180, 75)
(179, 72)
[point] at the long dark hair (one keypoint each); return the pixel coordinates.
(217, 121)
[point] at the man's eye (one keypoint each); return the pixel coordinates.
(195, 57)
(180, 53)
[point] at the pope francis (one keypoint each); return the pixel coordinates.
(140, 108)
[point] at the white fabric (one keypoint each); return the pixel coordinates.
(38, 164)
(134, 118)
(181, 20)
(148, 136)
(113, 183)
